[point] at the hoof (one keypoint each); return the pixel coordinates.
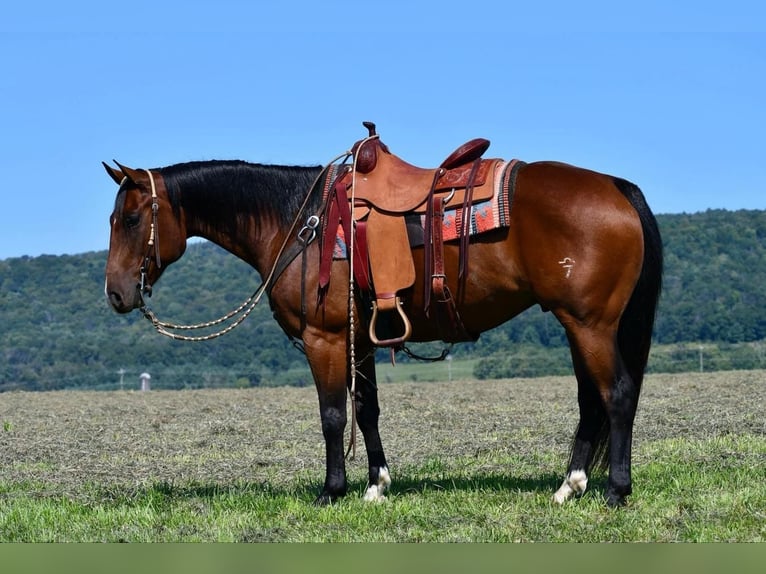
(614, 500)
(325, 499)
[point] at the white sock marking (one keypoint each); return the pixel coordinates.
(376, 492)
(575, 483)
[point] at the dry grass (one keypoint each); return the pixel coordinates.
(59, 441)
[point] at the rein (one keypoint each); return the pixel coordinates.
(351, 327)
(246, 308)
(305, 236)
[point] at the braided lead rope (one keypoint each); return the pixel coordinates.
(159, 326)
(351, 318)
(246, 308)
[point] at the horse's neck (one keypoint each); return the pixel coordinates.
(254, 240)
(255, 245)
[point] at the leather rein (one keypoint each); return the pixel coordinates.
(283, 259)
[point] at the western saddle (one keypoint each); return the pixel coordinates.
(371, 198)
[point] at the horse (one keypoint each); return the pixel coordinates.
(582, 245)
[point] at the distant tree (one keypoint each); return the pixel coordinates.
(59, 332)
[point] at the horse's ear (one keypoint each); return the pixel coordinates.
(115, 174)
(132, 174)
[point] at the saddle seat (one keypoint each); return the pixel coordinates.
(392, 185)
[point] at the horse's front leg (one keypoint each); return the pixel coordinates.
(367, 414)
(332, 410)
(326, 354)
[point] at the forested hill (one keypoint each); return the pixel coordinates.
(57, 331)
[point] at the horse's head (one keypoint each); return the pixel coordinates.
(146, 236)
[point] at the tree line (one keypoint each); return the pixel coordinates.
(57, 330)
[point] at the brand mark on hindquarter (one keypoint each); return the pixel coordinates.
(567, 263)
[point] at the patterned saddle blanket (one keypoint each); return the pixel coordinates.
(487, 215)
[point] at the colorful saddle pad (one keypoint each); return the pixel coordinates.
(494, 213)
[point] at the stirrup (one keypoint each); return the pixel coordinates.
(389, 342)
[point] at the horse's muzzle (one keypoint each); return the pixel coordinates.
(124, 300)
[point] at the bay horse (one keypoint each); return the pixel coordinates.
(583, 245)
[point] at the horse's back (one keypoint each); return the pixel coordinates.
(568, 199)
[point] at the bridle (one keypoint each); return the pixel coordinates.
(284, 256)
(144, 288)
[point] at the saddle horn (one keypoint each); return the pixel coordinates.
(367, 155)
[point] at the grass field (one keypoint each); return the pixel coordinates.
(470, 461)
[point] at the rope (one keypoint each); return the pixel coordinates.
(162, 327)
(351, 318)
(250, 303)
(246, 308)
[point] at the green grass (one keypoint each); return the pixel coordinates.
(470, 461)
(690, 490)
(456, 370)
(539, 361)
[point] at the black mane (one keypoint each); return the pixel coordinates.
(223, 195)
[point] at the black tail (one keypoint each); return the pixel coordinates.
(634, 336)
(635, 332)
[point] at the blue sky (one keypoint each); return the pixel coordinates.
(671, 95)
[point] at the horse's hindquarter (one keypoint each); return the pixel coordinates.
(580, 240)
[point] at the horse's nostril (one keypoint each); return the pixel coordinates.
(115, 299)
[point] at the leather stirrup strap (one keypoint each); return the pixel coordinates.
(428, 241)
(451, 328)
(361, 260)
(438, 277)
(338, 212)
(465, 228)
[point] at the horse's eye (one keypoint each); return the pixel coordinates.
(132, 220)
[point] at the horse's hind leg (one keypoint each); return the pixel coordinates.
(608, 399)
(367, 414)
(593, 423)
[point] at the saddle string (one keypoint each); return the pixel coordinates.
(247, 307)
